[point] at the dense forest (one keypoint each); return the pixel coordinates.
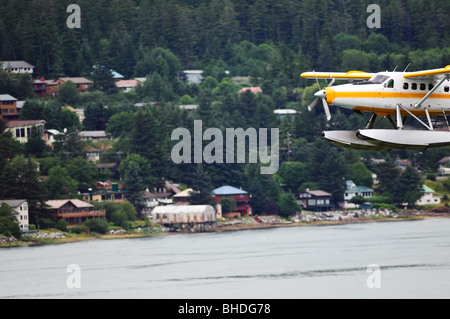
(270, 42)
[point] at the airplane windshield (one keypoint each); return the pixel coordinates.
(379, 79)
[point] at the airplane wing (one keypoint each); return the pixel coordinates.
(352, 75)
(428, 73)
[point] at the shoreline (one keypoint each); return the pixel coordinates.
(71, 238)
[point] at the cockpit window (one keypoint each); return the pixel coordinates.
(378, 79)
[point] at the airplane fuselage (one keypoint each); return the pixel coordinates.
(383, 92)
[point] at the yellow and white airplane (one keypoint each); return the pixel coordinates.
(419, 94)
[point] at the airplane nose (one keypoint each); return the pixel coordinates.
(321, 94)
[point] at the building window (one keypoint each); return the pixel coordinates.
(312, 202)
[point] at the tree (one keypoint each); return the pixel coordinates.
(143, 167)
(96, 117)
(68, 94)
(288, 205)
(409, 187)
(133, 185)
(104, 80)
(201, 184)
(7, 149)
(125, 214)
(59, 184)
(228, 204)
(148, 139)
(35, 145)
(9, 225)
(294, 174)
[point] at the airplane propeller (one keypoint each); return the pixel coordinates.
(322, 95)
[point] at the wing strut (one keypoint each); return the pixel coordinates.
(419, 104)
(429, 126)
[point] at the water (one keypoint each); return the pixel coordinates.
(300, 262)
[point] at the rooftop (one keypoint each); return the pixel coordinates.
(16, 64)
(24, 123)
(228, 190)
(55, 204)
(7, 97)
(319, 193)
(13, 203)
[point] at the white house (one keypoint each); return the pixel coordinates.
(354, 191)
(21, 130)
(430, 197)
(194, 76)
(17, 67)
(20, 208)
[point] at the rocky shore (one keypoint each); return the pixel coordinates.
(245, 223)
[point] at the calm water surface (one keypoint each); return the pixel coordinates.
(300, 262)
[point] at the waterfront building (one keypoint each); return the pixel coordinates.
(20, 208)
(241, 197)
(73, 211)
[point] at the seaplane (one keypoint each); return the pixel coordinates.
(397, 96)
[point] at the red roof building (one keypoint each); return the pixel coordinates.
(73, 211)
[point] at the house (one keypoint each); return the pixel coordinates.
(92, 155)
(93, 135)
(107, 191)
(193, 76)
(254, 90)
(73, 211)
(354, 191)
(20, 208)
(83, 85)
(152, 200)
(182, 198)
(8, 107)
(46, 88)
(21, 130)
(19, 67)
(430, 197)
(78, 112)
(444, 169)
(50, 136)
(403, 164)
(184, 214)
(127, 85)
(283, 113)
(189, 107)
(316, 200)
(240, 196)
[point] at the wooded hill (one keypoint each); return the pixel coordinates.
(310, 34)
(270, 42)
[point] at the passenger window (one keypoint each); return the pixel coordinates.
(414, 86)
(390, 84)
(405, 86)
(447, 89)
(430, 86)
(423, 86)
